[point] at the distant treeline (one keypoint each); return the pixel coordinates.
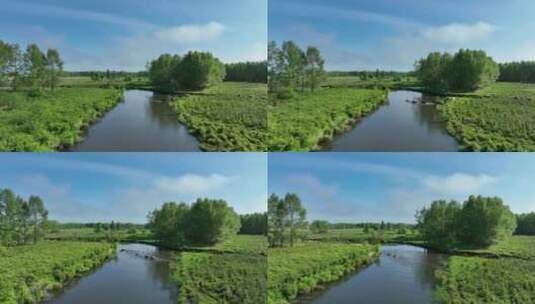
(247, 72)
(518, 72)
(254, 223)
(364, 75)
(21, 221)
(32, 68)
(104, 225)
(377, 226)
(110, 74)
(525, 224)
(466, 70)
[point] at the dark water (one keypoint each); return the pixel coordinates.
(143, 121)
(399, 125)
(403, 274)
(128, 279)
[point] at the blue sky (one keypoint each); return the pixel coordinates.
(125, 34)
(126, 186)
(393, 34)
(353, 187)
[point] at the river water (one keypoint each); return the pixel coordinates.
(408, 121)
(403, 275)
(130, 278)
(142, 121)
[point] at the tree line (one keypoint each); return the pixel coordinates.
(285, 216)
(32, 68)
(21, 221)
(477, 222)
(290, 69)
(246, 71)
(525, 224)
(204, 222)
(466, 70)
(193, 71)
(523, 71)
(253, 223)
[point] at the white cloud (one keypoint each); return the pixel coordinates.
(314, 185)
(459, 183)
(192, 183)
(191, 33)
(456, 33)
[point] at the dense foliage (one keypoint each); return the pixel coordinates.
(518, 72)
(478, 222)
(525, 224)
(254, 223)
(32, 68)
(284, 214)
(292, 270)
(21, 221)
(480, 280)
(304, 122)
(247, 71)
(497, 118)
(291, 69)
(204, 222)
(319, 226)
(30, 272)
(51, 121)
(228, 117)
(466, 70)
(194, 71)
(366, 235)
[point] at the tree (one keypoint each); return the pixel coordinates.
(211, 221)
(11, 64)
(438, 223)
(98, 228)
(161, 72)
(168, 223)
(246, 71)
(35, 63)
(254, 223)
(525, 224)
(296, 214)
(54, 66)
(38, 216)
(319, 226)
(199, 70)
(485, 220)
(314, 67)
(277, 212)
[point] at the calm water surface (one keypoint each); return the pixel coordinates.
(408, 121)
(143, 121)
(129, 278)
(403, 274)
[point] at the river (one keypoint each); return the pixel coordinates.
(142, 121)
(408, 121)
(403, 274)
(128, 278)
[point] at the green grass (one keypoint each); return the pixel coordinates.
(518, 246)
(89, 235)
(500, 117)
(221, 278)
(87, 82)
(303, 122)
(247, 244)
(52, 121)
(230, 116)
(299, 269)
(29, 272)
(356, 82)
(479, 280)
(359, 236)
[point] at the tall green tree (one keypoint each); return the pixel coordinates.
(168, 223)
(35, 63)
(277, 213)
(314, 71)
(199, 70)
(296, 214)
(211, 221)
(54, 67)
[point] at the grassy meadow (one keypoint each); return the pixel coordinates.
(230, 116)
(303, 122)
(300, 269)
(30, 272)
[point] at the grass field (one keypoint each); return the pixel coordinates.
(228, 117)
(303, 122)
(480, 280)
(300, 269)
(359, 236)
(357, 82)
(499, 118)
(238, 277)
(51, 121)
(29, 272)
(89, 234)
(518, 246)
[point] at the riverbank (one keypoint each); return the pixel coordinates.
(230, 116)
(52, 121)
(31, 272)
(305, 267)
(306, 121)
